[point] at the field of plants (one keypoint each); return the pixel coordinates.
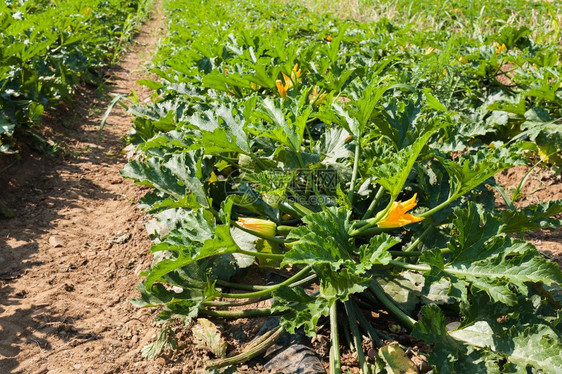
(356, 161)
(315, 168)
(48, 47)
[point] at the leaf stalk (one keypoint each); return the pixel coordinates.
(254, 351)
(404, 319)
(298, 276)
(351, 193)
(335, 361)
(357, 338)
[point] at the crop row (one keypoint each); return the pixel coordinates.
(358, 160)
(47, 48)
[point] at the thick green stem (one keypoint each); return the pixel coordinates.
(335, 362)
(301, 274)
(291, 222)
(347, 336)
(508, 201)
(257, 160)
(260, 339)
(272, 256)
(368, 231)
(318, 97)
(251, 287)
(351, 192)
(301, 209)
(310, 137)
(439, 207)
(374, 203)
(228, 304)
(360, 227)
(404, 254)
(284, 230)
(245, 313)
(254, 351)
(357, 338)
(304, 281)
(241, 286)
(234, 163)
(213, 211)
(366, 324)
(299, 158)
(368, 298)
(424, 268)
(286, 208)
(417, 242)
(402, 317)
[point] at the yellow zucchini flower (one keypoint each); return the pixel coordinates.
(283, 88)
(543, 156)
(397, 216)
(500, 48)
(315, 98)
(259, 226)
(289, 81)
(296, 73)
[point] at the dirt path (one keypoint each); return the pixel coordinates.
(70, 258)
(542, 185)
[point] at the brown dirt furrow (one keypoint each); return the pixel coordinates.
(542, 185)
(70, 258)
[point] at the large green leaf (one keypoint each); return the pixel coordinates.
(536, 217)
(432, 329)
(302, 310)
(288, 131)
(152, 174)
(180, 174)
(191, 242)
(340, 284)
(187, 168)
(376, 252)
(518, 262)
(503, 263)
(490, 261)
(158, 295)
(334, 146)
(221, 131)
(542, 129)
(535, 346)
(392, 175)
(449, 355)
(474, 229)
(474, 169)
(323, 240)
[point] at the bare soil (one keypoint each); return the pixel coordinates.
(71, 256)
(542, 185)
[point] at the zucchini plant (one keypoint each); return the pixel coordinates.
(290, 140)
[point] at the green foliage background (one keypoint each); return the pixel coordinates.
(47, 48)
